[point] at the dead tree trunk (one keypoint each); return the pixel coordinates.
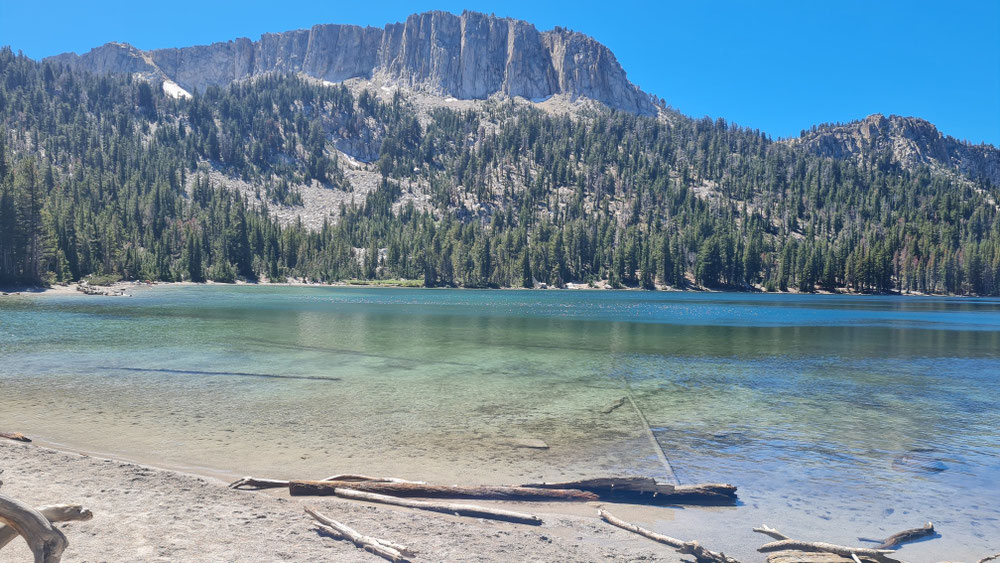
(646, 490)
(45, 541)
(256, 483)
(54, 513)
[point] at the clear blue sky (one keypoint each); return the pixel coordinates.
(776, 66)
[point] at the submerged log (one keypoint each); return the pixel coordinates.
(16, 436)
(905, 536)
(701, 555)
(303, 488)
(53, 513)
(611, 408)
(46, 542)
(648, 491)
(383, 548)
(447, 508)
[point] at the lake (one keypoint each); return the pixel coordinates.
(836, 416)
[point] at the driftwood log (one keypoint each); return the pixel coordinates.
(700, 554)
(447, 508)
(328, 488)
(45, 541)
(812, 557)
(646, 490)
(905, 536)
(787, 550)
(16, 436)
(383, 548)
(785, 545)
(53, 513)
(256, 483)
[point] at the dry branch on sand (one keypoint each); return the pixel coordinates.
(46, 542)
(787, 550)
(701, 555)
(383, 548)
(53, 513)
(447, 508)
(306, 488)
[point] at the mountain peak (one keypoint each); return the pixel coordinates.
(908, 141)
(467, 56)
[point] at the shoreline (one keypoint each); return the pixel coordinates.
(159, 514)
(74, 288)
(162, 513)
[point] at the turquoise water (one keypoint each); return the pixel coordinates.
(836, 416)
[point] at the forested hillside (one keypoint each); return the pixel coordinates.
(107, 175)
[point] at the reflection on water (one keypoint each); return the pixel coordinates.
(855, 414)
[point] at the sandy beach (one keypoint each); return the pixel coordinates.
(142, 513)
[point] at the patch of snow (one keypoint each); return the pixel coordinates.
(171, 89)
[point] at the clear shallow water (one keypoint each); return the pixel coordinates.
(826, 411)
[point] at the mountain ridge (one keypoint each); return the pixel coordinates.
(470, 56)
(908, 141)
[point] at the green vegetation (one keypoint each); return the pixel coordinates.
(107, 176)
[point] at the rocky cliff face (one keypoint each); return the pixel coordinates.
(909, 141)
(471, 56)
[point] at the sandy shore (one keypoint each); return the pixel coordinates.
(143, 513)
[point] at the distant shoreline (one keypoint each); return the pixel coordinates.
(76, 288)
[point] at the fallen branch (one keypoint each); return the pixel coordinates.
(783, 545)
(383, 548)
(300, 488)
(45, 541)
(815, 557)
(989, 558)
(257, 483)
(447, 508)
(769, 531)
(16, 436)
(648, 490)
(786, 544)
(53, 513)
(905, 536)
(700, 554)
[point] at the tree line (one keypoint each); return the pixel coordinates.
(105, 175)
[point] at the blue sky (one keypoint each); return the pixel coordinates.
(776, 66)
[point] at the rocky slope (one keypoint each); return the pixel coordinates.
(471, 56)
(908, 141)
